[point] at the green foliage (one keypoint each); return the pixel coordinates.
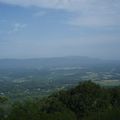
(111, 114)
(1, 114)
(49, 110)
(87, 101)
(86, 97)
(3, 99)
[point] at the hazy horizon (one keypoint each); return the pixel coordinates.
(59, 57)
(58, 28)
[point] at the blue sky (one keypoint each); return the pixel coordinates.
(50, 28)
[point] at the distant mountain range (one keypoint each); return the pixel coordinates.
(71, 61)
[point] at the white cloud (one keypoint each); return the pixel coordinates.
(39, 3)
(86, 12)
(95, 20)
(39, 14)
(17, 27)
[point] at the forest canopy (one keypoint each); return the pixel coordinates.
(87, 101)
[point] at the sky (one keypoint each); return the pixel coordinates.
(55, 28)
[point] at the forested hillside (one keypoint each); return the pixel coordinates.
(87, 101)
